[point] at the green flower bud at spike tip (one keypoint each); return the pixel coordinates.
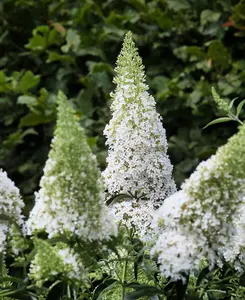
(11, 205)
(222, 104)
(206, 218)
(137, 160)
(70, 200)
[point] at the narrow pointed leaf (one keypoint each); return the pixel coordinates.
(202, 275)
(239, 107)
(219, 120)
(232, 102)
(11, 279)
(118, 197)
(108, 288)
(142, 292)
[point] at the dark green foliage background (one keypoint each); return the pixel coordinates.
(48, 45)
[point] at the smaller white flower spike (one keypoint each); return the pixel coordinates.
(206, 218)
(50, 261)
(71, 199)
(11, 206)
(137, 159)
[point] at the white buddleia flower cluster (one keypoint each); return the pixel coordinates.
(137, 161)
(201, 220)
(11, 205)
(137, 213)
(71, 199)
(236, 250)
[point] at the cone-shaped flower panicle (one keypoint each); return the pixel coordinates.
(51, 261)
(11, 205)
(202, 219)
(70, 200)
(137, 159)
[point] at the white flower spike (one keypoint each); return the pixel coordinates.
(71, 201)
(11, 205)
(137, 161)
(206, 218)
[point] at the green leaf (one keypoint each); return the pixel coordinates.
(97, 67)
(54, 56)
(39, 40)
(43, 37)
(92, 141)
(103, 81)
(84, 101)
(141, 291)
(118, 198)
(9, 292)
(37, 43)
(4, 82)
(28, 81)
(114, 33)
(12, 140)
(11, 279)
(28, 100)
(33, 119)
(219, 54)
(232, 102)
(219, 120)
(55, 38)
(103, 290)
(138, 4)
(92, 51)
(86, 8)
(177, 5)
(239, 107)
(202, 275)
(181, 287)
(209, 16)
(28, 131)
(72, 41)
(195, 51)
(4, 100)
(42, 29)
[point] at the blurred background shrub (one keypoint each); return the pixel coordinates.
(187, 46)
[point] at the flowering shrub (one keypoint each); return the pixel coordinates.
(151, 241)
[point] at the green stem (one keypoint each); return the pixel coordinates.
(74, 294)
(124, 276)
(235, 118)
(1, 264)
(24, 266)
(11, 292)
(68, 291)
(130, 233)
